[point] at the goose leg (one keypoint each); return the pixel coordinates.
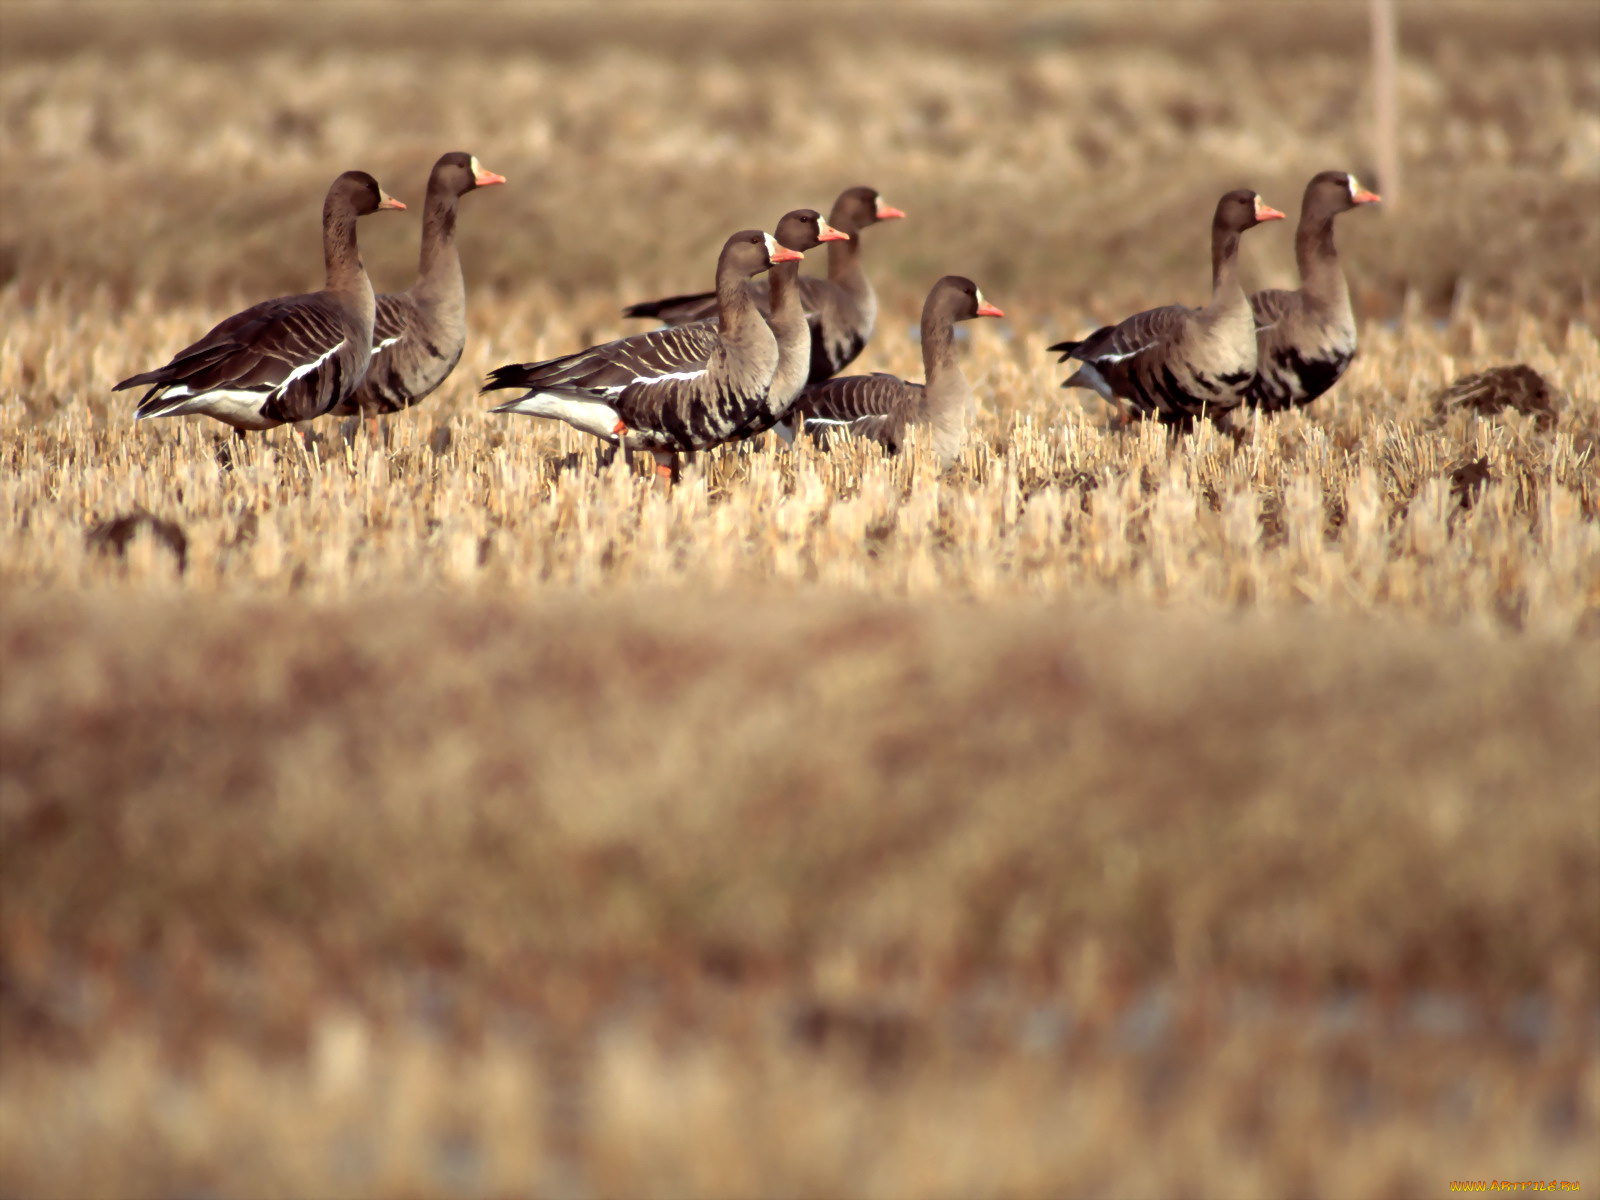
(620, 450)
(230, 448)
(300, 435)
(667, 472)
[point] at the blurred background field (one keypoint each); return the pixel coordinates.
(1106, 816)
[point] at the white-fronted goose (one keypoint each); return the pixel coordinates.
(883, 407)
(419, 333)
(289, 359)
(1176, 363)
(842, 308)
(669, 390)
(801, 230)
(1306, 338)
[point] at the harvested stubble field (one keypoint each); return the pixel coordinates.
(1109, 815)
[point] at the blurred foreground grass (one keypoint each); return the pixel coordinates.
(788, 892)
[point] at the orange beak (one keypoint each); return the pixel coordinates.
(388, 201)
(784, 254)
(988, 310)
(888, 212)
(1366, 197)
(1265, 212)
(827, 233)
(484, 178)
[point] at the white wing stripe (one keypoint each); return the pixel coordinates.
(1111, 358)
(307, 368)
(649, 379)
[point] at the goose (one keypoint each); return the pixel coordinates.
(800, 230)
(1306, 338)
(842, 308)
(670, 390)
(883, 407)
(288, 359)
(418, 334)
(1176, 363)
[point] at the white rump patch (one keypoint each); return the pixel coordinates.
(593, 417)
(234, 406)
(1087, 377)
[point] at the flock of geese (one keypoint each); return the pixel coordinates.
(755, 354)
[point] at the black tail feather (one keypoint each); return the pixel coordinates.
(1071, 349)
(662, 310)
(159, 376)
(512, 375)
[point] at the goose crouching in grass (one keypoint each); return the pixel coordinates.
(1306, 338)
(418, 334)
(1177, 363)
(670, 390)
(883, 407)
(289, 359)
(842, 309)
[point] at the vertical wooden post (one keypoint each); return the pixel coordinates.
(1385, 41)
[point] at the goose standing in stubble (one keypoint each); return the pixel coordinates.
(842, 309)
(671, 390)
(883, 407)
(1306, 338)
(288, 359)
(418, 334)
(800, 230)
(1177, 363)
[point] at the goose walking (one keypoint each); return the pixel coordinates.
(883, 407)
(842, 309)
(670, 390)
(418, 334)
(1306, 338)
(1176, 363)
(288, 359)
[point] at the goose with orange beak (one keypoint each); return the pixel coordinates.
(1306, 338)
(885, 408)
(842, 309)
(289, 359)
(671, 390)
(1176, 363)
(800, 230)
(419, 334)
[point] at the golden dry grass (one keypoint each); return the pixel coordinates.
(1109, 815)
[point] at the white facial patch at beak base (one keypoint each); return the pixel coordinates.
(772, 244)
(981, 300)
(1354, 187)
(476, 169)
